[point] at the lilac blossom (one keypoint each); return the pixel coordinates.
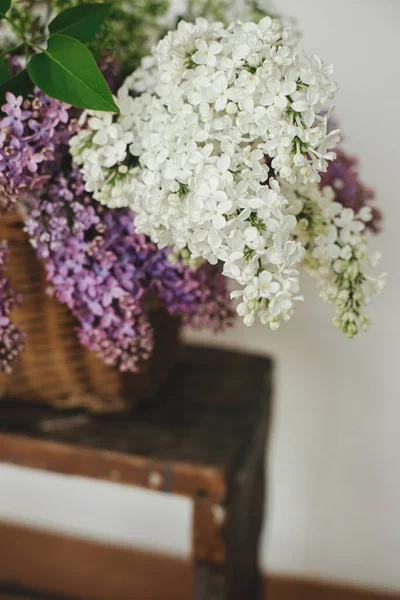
(82, 266)
(200, 295)
(30, 134)
(96, 263)
(11, 336)
(342, 175)
(102, 270)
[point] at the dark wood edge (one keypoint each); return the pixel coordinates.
(203, 353)
(17, 592)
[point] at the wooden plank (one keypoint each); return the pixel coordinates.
(90, 571)
(86, 570)
(110, 466)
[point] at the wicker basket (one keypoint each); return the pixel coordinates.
(55, 368)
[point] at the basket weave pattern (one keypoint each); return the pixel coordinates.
(55, 368)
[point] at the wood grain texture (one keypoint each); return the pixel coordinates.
(49, 566)
(45, 561)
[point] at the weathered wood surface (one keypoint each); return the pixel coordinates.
(203, 436)
(201, 421)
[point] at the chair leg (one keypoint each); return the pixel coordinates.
(209, 582)
(238, 577)
(244, 580)
(209, 547)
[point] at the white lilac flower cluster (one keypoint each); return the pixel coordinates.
(191, 155)
(336, 253)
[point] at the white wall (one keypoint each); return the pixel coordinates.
(335, 454)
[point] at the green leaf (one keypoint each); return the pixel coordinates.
(81, 22)
(19, 85)
(67, 71)
(4, 7)
(3, 70)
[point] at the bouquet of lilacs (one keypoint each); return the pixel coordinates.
(96, 262)
(218, 149)
(216, 164)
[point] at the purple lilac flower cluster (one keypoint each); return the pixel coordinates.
(11, 336)
(89, 270)
(30, 134)
(103, 271)
(199, 295)
(342, 175)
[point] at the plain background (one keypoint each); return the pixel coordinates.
(334, 497)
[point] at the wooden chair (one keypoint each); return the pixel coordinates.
(203, 437)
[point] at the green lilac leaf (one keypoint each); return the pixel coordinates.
(4, 7)
(81, 22)
(66, 70)
(3, 70)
